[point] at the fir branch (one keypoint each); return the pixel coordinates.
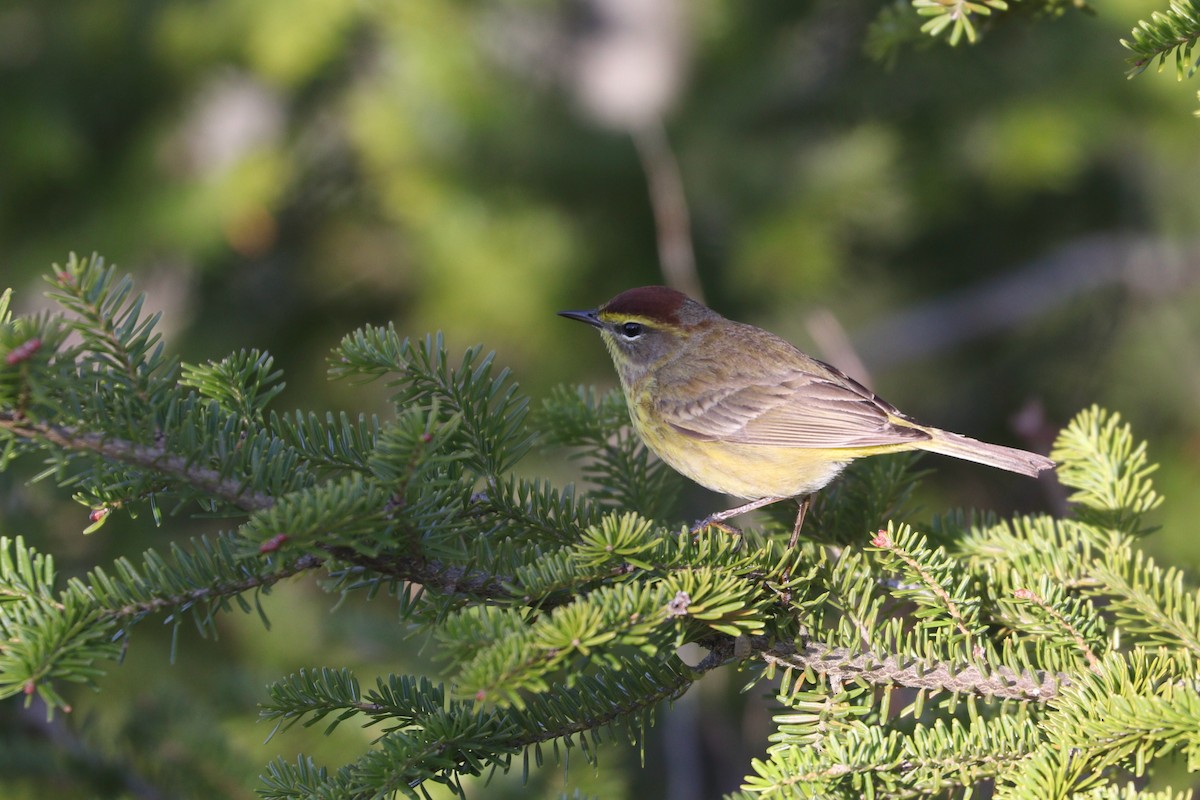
(1135, 707)
(532, 508)
(1149, 600)
(108, 319)
(625, 475)
(1061, 620)
(335, 444)
(865, 496)
(242, 383)
(593, 629)
(868, 760)
(493, 434)
(1109, 469)
(44, 637)
(1132, 706)
(853, 596)
(455, 580)
(931, 569)
(149, 457)
(212, 593)
(565, 610)
(955, 15)
(1173, 32)
(429, 737)
(431, 573)
(661, 681)
(842, 665)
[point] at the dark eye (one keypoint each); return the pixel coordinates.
(631, 330)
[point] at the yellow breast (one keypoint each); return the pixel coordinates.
(741, 470)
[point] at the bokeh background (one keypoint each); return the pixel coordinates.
(994, 236)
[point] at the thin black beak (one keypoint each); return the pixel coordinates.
(583, 316)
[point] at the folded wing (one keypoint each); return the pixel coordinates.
(821, 408)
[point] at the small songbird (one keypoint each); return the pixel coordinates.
(741, 411)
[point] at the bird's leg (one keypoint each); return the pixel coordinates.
(805, 502)
(718, 519)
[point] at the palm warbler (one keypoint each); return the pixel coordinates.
(740, 411)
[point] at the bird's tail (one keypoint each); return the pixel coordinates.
(992, 455)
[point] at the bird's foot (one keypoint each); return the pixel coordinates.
(718, 522)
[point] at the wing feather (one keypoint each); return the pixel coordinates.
(819, 408)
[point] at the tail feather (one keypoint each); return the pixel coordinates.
(992, 455)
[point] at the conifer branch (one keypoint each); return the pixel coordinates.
(447, 579)
(628, 706)
(843, 665)
(955, 16)
(1060, 619)
(148, 457)
(886, 542)
(558, 612)
(209, 594)
(1175, 31)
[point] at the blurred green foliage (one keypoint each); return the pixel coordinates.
(283, 172)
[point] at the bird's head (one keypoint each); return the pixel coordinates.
(643, 327)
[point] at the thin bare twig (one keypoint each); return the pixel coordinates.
(834, 345)
(669, 202)
(1145, 266)
(97, 764)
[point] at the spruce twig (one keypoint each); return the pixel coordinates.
(843, 665)
(208, 594)
(1061, 620)
(237, 493)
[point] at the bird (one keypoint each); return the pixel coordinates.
(743, 412)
